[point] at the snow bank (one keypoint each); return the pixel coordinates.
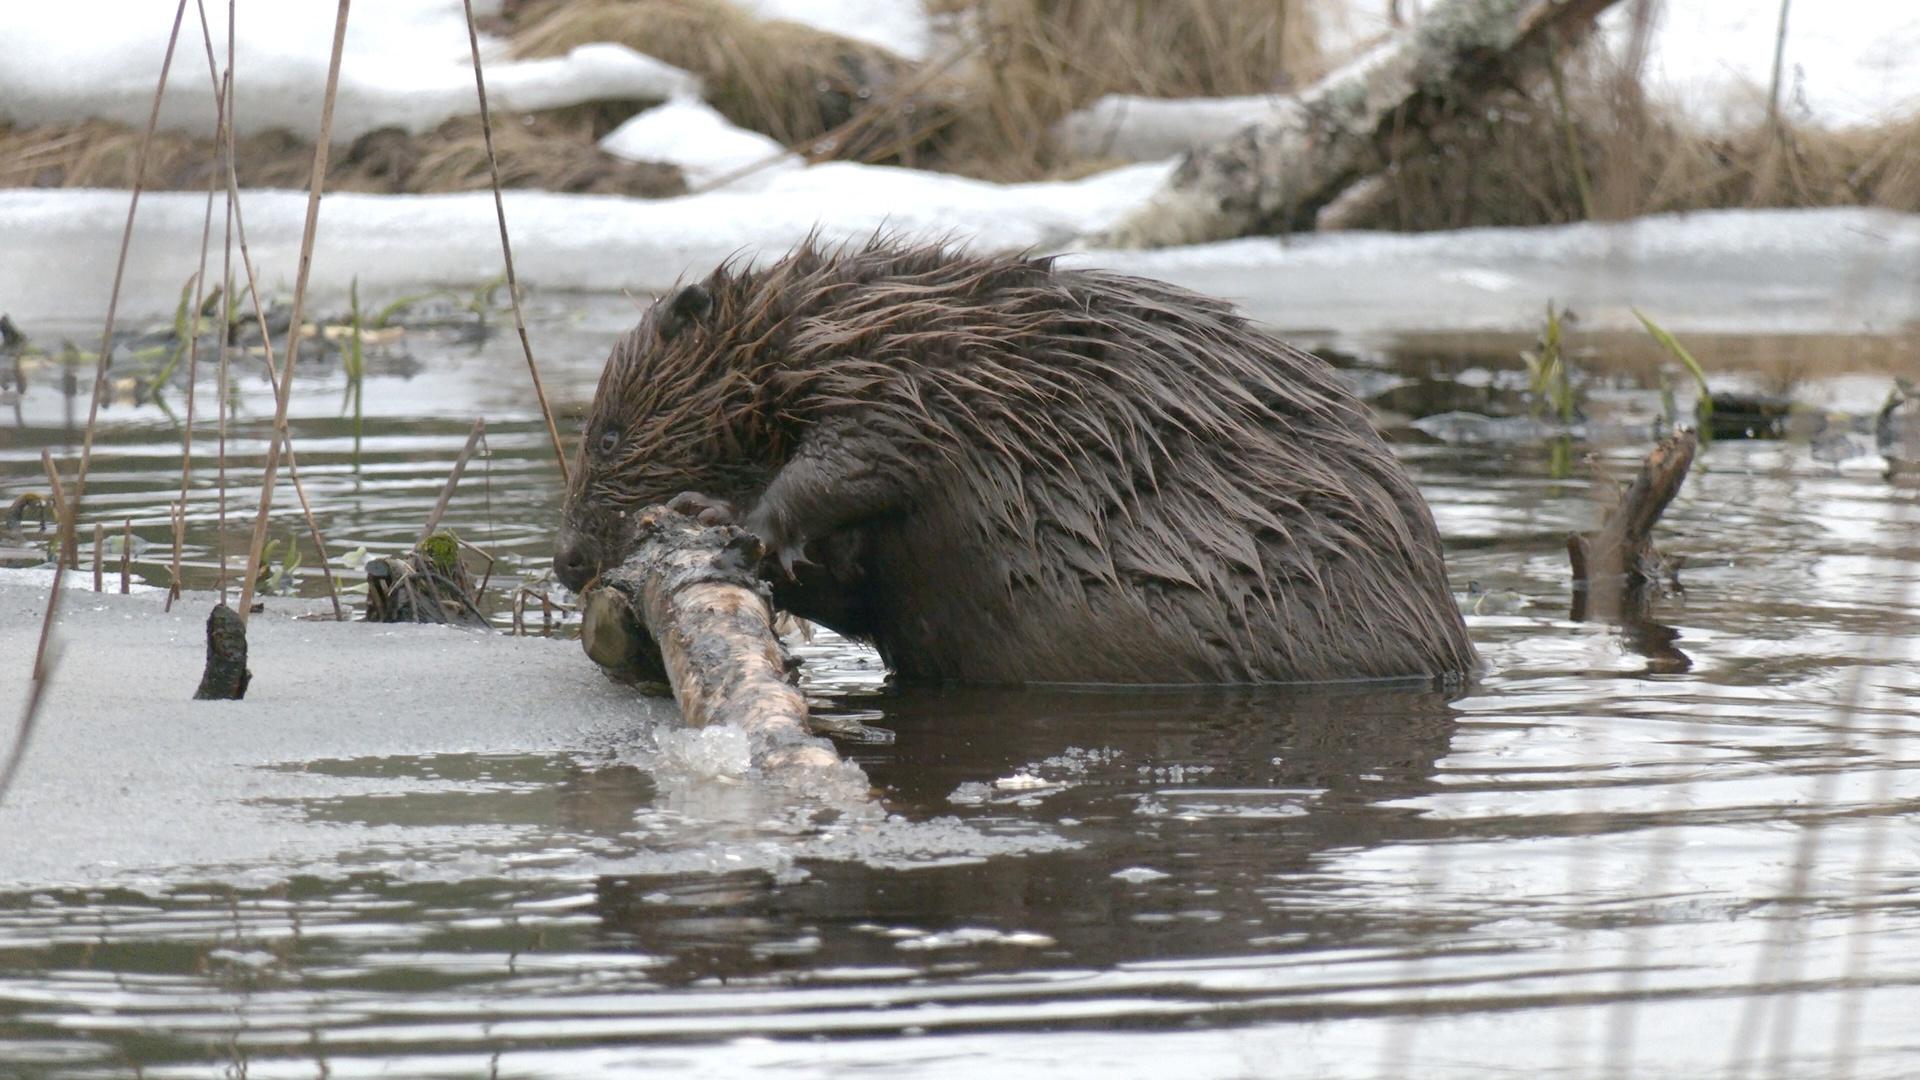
(900, 26)
(61, 244)
(1848, 62)
(406, 64)
(706, 145)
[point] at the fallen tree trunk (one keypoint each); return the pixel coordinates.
(688, 608)
(1277, 174)
(1618, 566)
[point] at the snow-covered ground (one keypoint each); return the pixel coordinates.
(1847, 61)
(406, 64)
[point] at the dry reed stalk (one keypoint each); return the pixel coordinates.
(236, 223)
(225, 90)
(293, 462)
(474, 437)
(126, 557)
(193, 336)
(284, 385)
(63, 539)
(177, 523)
(99, 555)
(506, 247)
(1779, 59)
(42, 668)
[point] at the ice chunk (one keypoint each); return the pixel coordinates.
(1140, 875)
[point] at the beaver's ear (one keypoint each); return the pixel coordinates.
(688, 306)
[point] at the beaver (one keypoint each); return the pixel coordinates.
(996, 469)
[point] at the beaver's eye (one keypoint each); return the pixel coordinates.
(609, 441)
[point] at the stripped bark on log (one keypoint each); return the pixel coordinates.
(1275, 175)
(1618, 565)
(689, 606)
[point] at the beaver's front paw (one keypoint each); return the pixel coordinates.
(704, 509)
(784, 549)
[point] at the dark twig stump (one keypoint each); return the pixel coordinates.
(688, 608)
(1617, 568)
(226, 676)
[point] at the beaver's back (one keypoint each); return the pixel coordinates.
(1159, 492)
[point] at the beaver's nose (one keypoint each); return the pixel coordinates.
(575, 563)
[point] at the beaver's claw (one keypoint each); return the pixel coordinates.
(704, 509)
(789, 556)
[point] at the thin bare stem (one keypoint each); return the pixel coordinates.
(99, 555)
(284, 386)
(506, 247)
(226, 272)
(293, 463)
(63, 524)
(453, 478)
(120, 265)
(1779, 62)
(126, 557)
(193, 332)
(42, 669)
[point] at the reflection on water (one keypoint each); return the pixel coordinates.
(1676, 844)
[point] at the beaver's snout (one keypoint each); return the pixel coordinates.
(576, 561)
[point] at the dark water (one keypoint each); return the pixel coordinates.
(1685, 846)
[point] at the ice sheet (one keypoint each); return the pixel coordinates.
(1814, 271)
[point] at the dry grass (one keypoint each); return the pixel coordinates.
(1041, 59)
(1030, 62)
(1513, 165)
(792, 82)
(551, 151)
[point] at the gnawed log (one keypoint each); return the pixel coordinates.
(1617, 567)
(689, 606)
(225, 677)
(1300, 153)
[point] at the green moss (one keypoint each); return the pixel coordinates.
(442, 550)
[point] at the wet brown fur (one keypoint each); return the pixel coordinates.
(998, 470)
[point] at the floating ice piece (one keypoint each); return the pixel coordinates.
(406, 64)
(965, 936)
(706, 146)
(1020, 781)
(1140, 875)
